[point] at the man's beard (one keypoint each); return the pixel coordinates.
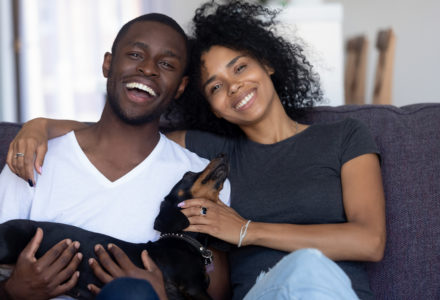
(133, 120)
(117, 109)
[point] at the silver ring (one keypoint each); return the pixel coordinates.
(19, 154)
(203, 211)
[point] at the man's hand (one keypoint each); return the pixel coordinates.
(123, 267)
(49, 276)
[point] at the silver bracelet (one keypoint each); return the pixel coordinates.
(243, 232)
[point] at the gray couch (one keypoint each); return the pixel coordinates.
(409, 141)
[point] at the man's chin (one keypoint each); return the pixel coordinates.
(138, 121)
(135, 120)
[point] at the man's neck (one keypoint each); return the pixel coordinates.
(115, 147)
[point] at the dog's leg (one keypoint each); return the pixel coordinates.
(14, 236)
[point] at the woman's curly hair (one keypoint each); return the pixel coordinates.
(249, 28)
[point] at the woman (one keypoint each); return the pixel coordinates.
(302, 186)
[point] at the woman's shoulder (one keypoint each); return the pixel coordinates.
(342, 126)
(207, 144)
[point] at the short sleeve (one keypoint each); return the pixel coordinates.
(205, 144)
(356, 140)
(15, 196)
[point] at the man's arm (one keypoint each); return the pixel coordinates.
(122, 266)
(49, 276)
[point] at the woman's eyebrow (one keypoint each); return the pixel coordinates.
(228, 65)
(233, 61)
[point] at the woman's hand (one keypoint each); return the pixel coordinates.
(27, 150)
(29, 147)
(220, 220)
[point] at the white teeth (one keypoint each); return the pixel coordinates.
(244, 101)
(142, 87)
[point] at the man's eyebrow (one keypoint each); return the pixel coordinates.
(228, 65)
(166, 52)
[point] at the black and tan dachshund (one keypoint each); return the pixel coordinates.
(180, 256)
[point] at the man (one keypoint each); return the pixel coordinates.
(109, 177)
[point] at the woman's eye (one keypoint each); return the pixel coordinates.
(240, 68)
(215, 88)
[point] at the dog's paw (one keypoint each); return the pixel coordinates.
(170, 219)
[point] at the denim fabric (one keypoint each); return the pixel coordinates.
(303, 274)
(127, 289)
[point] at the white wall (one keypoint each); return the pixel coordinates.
(417, 60)
(7, 68)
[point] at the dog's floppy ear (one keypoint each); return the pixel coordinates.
(170, 219)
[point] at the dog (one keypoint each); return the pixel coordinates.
(180, 255)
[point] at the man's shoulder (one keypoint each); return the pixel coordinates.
(62, 140)
(172, 150)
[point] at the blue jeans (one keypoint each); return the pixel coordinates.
(303, 274)
(125, 288)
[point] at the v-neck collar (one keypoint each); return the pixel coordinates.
(89, 166)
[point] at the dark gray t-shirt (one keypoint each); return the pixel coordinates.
(296, 181)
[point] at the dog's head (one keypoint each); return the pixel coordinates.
(205, 184)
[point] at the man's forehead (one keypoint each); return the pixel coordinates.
(157, 33)
(155, 27)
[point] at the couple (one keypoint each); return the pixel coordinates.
(303, 186)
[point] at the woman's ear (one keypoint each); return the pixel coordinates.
(216, 114)
(106, 64)
(269, 69)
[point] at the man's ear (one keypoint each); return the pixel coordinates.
(106, 64)
(182, 86)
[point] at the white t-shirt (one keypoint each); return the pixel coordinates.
(72, 191)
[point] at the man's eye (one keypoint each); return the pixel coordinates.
(166, 65)
(134, 55)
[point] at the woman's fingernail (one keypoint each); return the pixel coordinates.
(181, 204)
(31, 184)
(40, 170)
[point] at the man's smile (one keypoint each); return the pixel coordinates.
(141, 87)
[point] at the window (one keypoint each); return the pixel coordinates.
(62, 45)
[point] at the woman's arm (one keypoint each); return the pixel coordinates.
(362, 237)
(177, 136)
(31, 140)
(219, 284)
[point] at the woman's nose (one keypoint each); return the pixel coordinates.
(235, 87)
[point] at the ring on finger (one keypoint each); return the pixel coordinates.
(203, 211)
(19, 154)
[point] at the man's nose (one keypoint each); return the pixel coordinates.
(148, 67)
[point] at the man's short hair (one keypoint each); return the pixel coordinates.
(155, 17)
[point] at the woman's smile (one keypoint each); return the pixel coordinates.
(246, 101)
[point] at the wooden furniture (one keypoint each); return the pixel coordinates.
(385, 44)
(355, 70)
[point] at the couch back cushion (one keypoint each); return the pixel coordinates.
(409, 141)
(7, 133)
